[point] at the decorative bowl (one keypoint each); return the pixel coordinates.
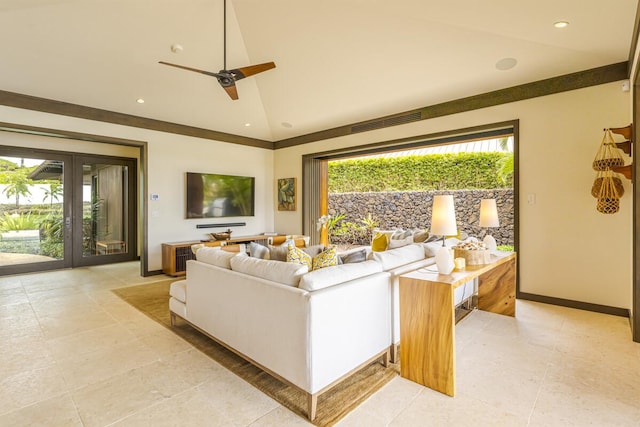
(225, 235)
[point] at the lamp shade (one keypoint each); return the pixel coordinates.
(489, 213)
(443, 216)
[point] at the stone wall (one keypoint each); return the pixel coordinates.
(412, 209)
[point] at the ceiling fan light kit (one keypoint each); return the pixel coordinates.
(226, 78)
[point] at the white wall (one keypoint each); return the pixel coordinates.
(567, 249)
(169, 157)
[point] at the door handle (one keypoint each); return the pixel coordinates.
(67, 222)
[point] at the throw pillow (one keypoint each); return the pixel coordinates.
(380, 242)
(326, 258)
(398, 243)
(401, 234)
(353, 257)
(314, 250)
(195, 247)
(257, 250)
(420, 236)
(298, 256)
(279, 253)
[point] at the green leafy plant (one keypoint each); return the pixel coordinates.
(18, 222)
(459, 171)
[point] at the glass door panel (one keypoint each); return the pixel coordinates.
(105, 211)
(34, 222)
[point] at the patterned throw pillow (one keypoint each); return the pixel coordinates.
(257, 250)
(298, 256)
(326, 258)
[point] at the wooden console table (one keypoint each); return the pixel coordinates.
(427, 316)
(175, 255)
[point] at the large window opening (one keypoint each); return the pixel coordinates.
(316, 178)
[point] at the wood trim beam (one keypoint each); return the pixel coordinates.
(17, 100)
(567, 82)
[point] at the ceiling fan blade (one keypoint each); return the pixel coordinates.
(241, 73)
(208, 73)
(232, 91)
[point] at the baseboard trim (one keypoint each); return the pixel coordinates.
(616, 311)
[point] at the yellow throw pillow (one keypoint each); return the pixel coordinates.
(380, 242)
(326, 258)
(298, 256)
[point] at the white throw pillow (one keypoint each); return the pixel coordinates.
(282, 272)
(216, 256)
(393, 258)
(331, 276)
(398, 243)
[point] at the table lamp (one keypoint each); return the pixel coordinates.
(489, 218)
(443, 223)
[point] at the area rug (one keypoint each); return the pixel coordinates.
(153, 300)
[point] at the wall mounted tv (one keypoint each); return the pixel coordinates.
(216, 196)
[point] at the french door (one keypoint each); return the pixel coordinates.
(60, 210)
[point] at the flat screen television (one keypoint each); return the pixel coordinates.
(212, 195)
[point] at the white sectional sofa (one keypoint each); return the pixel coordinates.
(309, 329)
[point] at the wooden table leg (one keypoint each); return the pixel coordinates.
(497, 289)
(427, 338)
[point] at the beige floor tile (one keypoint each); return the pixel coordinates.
(165, 343)
(27, 356)
(30, 387)
(281, 417)
(94, 340)
(123, 395)
(74, 322)
(431, 408)
(57, 411)
(190, 408)
(385, 405)
(232, 395)
(89, 368)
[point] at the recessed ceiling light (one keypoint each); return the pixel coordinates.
(506, 64)
(247, 124)
(561, 24)
(140, 101)
(286, 125)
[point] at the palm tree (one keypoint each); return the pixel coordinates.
(505, 165)
(18, 185)
(54, 192)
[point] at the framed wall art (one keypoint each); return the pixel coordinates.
(286, 194)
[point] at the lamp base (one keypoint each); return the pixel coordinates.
(444, 260)
(490, 242)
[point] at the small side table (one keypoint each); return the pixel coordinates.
(110, 247)
(427, 316)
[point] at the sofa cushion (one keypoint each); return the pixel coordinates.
(353, 256)
(314, 250)
(379, 242)
(331, 276)
(178, 290)
(276, 271)
(326, 258)
(298, 256)
(257, 250)
(398, 243)
(279, 253)
(396, 257)
(216, 256)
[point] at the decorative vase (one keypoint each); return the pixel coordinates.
(490, 242)
(444, 260)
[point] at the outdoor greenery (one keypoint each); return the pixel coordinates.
(461, 171)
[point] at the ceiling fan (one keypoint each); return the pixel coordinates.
(228, 78)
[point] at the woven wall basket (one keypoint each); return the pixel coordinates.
(597, 185)
(608, 154)
(608, 198)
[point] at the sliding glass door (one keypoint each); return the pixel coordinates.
(61, 210)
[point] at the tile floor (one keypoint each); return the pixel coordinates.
(74, 354)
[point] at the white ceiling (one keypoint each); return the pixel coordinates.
(337, 61)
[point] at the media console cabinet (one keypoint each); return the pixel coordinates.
(427, 316)
(175, 255)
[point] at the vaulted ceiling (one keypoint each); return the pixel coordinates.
(337, 61)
